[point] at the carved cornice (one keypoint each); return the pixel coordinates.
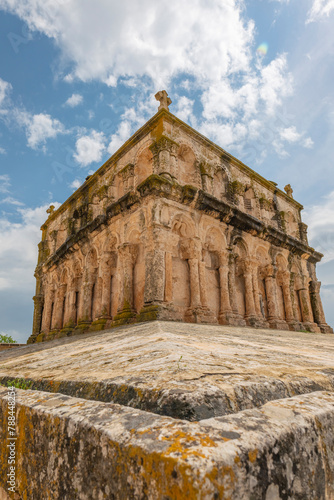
(222, 210)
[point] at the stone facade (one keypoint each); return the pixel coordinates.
(173, 227)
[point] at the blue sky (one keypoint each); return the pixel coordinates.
(78, 77)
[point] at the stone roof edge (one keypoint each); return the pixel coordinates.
(144, 130)
(141, 132)
(236, 162)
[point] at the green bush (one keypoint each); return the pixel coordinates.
(7, 339)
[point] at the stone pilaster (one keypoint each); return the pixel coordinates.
(250, 316)
(273, 315)
(48, 311)
(85, 307)
(38, 315)
(70, 311)
(290, 315)
(225, 312)
(57, 319)
(202, 281)
(307, 315)
(128, 254)
(168, 277)
(318, 312)
(236, 318)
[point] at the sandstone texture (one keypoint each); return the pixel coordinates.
(172, 227)
(168, 410)
(70, 448)
(186, 371)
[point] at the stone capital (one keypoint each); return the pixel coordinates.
(270, 271)
(190, 248)
(129, 252)
(315, 286)
(223, 259)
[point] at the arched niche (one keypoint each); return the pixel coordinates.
(220, 183)
(186, 161)
(143, 166)
(184, 228)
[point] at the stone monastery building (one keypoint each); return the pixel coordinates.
(172, 227)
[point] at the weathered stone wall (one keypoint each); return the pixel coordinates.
(173, 227)
(71, 449)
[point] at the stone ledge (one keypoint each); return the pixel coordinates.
(70, 448)
(187, 371)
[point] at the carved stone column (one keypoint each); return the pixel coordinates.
(48, 301)
(202, 281)
(290, 318)
(225, 311)
(273, 315)
(128, 254)
(38, 312)
(57, 319)
(191, 250)
(318, 312)
(164, 156)
(249, 293)
(307, 316)
(155, 272)
(168, 277)
(85, 308)
(195, 295)
(236, 318)
(70, 310)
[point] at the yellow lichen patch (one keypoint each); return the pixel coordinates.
(185, 445)
(252, 455)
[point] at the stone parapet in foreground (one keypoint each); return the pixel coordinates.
(69, 448)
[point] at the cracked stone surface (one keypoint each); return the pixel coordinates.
(70, 448)
(186, 371)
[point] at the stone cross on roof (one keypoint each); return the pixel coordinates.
(165, 101)
(50, 210)
(288, 189)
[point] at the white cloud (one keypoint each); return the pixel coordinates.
(11, 201)
(4, 183)
(184, 110)
(290, 134)
(18, 248)
(320, 9)
(74, 100)
(117, 140)
(320, 220)
(76, 184)
(106, 40)
(5, 89)
(150, 46)
(2, 151)
(90, 148)
(38, 127)
(276, 83)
